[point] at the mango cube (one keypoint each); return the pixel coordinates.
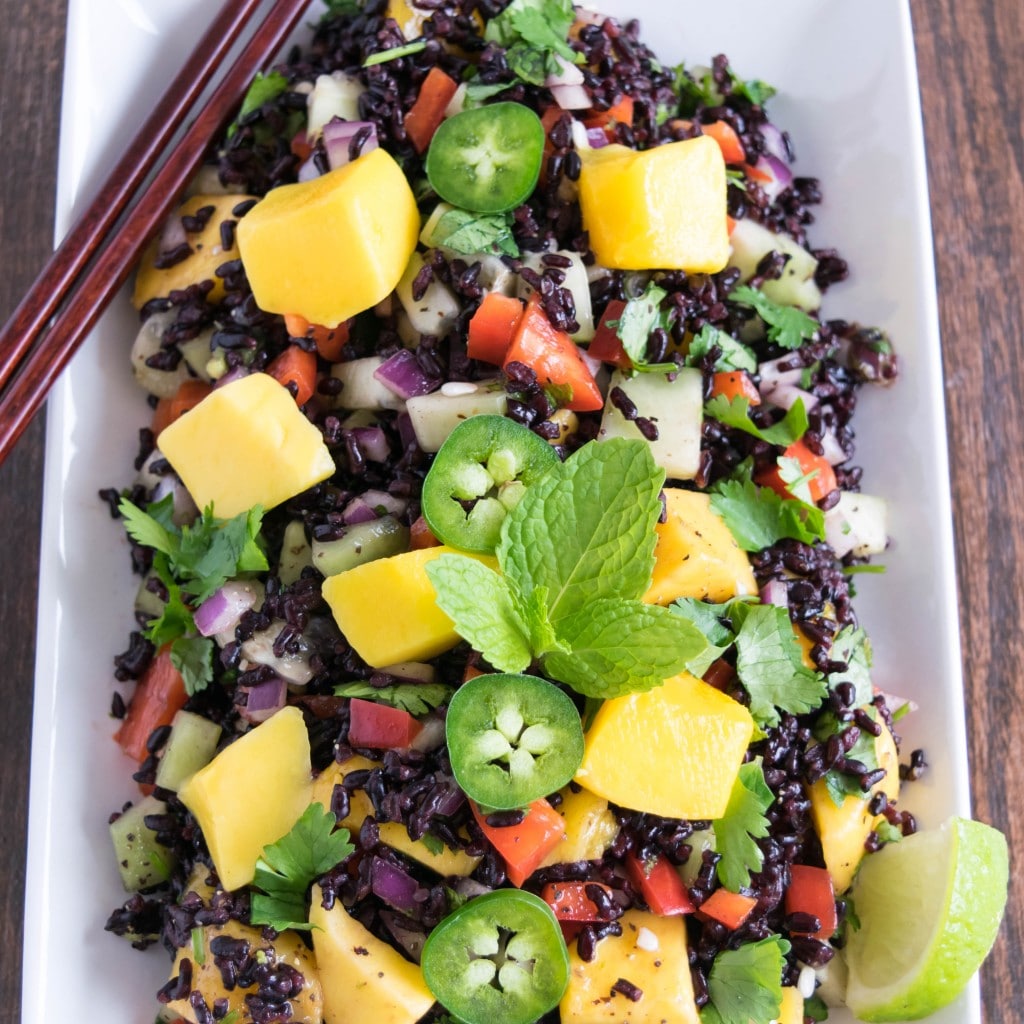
(663, 207)
(247, 443)
(388, 610)
(685, 723)
(843, 828)
(590, 828)
(208, 253)
(333, 246)
(697, 555)
(251, 794)
(363, 978)
(650, 953)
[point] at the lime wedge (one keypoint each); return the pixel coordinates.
(929, 908)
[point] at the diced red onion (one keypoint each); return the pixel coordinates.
(372, 442)
(412, 671)
(571, 97)
(431, 736)
(774, 142)
(365, 507)
(184, 510)
(785, 396)
(595, 366)
(832, 450)
(264, 699)
(470, 887)
(774, 372)
(568, 74)
(585, 16)
(406, 432)
(405, 932)
(394, 886)
(894, 701)
(775, 592)
(779, 172)
(338, 137)
(308, 170)
(221, 611)
(235, 373)
(597, 137)
(402, 374)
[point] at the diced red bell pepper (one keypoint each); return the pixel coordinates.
(189, 394)
(570, 902)
(525, 845)
(554, 357)
(380, 726)
(728, 908)
(492, 328)
(606, 344)
(297, 366)
(660, 885)
(811, 892)
(823, 482)
(159, 696)
(735, 384)
(728, 141)
(427, 111)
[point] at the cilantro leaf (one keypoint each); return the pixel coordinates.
(416, 698)
(470, 233)
(289, 866)
(707, 618)
(787, 326)
(839, 784)
(585, 530)
(263, 89)
(694, 92)
(743, 822)
(535, 35)
(797, 482)
(754, 89)
(152, 528)
(192, 656)
(640, 316)
(735, 412)
(477, 92)
(758, 517)
(734, 354)
(745, 984)
(853, 647)
(480, 604)
(619, 647)
(768, 662)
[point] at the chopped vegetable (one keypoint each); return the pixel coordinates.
(426, 113)
(524, 846)
(493, 327)
(159, 696)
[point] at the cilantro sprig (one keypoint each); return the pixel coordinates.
(576, 555)
(788, 326)
(744, 821)
(639, 318)
(733, 354)
(735, 412)
(192, 562)
(289, 866)
(470, 233)
(416, 698)
(745, 984)
(758, 517)
(535, 34)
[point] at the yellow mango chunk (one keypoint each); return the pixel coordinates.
(662, 207)
(388, 610)
(697, 555)
(791, 1010)
(288, 948)
(698, 730)
(360, 806)
(590, 828)
(208, 253)
(251, 794)
(331, 247)
(363, 978)
(651, 953)
(446, 863)
(843, 828)
(247, 443)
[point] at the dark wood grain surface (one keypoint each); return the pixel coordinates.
(971, 63)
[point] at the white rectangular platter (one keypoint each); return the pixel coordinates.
(847, 94)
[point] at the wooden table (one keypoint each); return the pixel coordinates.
(971, 57)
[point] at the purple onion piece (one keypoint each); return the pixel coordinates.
(221, 611)
(372, 442)
(172, 236)
(402, 374)
(775, 592)
(394, 886)
(338, 137)
(236, 373)
(781, 175)
(264, 699)
(774, 142)
(571, 97)
(597, 138)
(308, 170)
(407, 933)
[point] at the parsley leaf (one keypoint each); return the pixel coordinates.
(288, 867)
(788, 326)
(535, 35)
(470, 233)
(744, 821)
(768, 662)
(758, 517)
(383, 56)
(735, 412)
(745, 984)
(416, 698)
(734, 354)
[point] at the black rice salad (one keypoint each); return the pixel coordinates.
(526, 684)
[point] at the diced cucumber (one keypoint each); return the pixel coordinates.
(751, 242)
(435, 311)
(363, 542)
(296, 553)
(334, 95)
(191, 746)
(676, 408)
(146, 602)
(436, 415)
(142, 861)
(576, 281)
(197, 354)
(361, 390)
(857, 524)
(162, 383)
(698, 843)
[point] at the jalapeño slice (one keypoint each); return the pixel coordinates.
(512, 739)
(499, 959)
(479, 474)
(487, 159)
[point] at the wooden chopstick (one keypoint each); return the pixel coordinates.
(90, 266)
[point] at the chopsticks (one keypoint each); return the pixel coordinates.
(94, 260)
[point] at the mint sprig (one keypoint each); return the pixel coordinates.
(576, 555)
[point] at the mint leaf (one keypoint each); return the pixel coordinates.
(743, 822)
(585, 530)
(289, 866)
(745, 984)
(758, 517)
(706, 618)
(853, 647)
(192, 656)
(471, 233)
(768, 662)
(788, 326)
(416, 698)
(735, 412)
(619, 647)
(734, 355)
(478, 601)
